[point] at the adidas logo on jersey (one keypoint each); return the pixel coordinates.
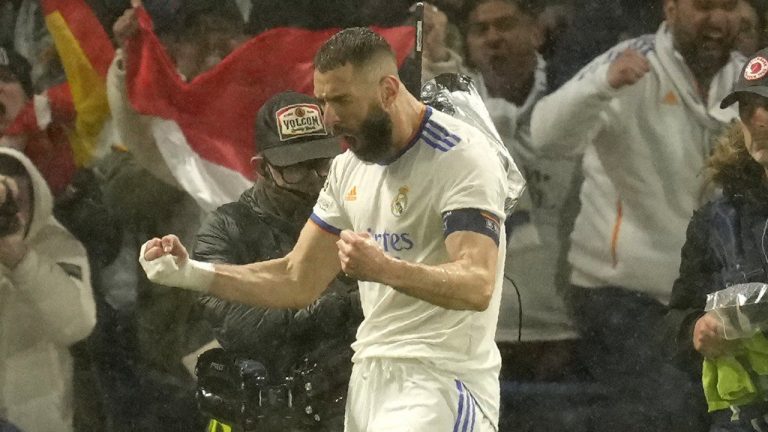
(670, 99)
(351, 195)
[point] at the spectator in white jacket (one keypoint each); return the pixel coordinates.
(46, 303)
(643, 115)
(502, 38)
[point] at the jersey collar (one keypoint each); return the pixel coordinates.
(413, 140)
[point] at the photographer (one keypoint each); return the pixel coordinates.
(311, 345)
(46, 303)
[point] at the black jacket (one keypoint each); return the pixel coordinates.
(311, 345)
(725, 245)
(264, 224)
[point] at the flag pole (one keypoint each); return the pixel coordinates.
(419, 42)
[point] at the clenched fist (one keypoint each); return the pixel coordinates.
(166, 262)
(360, 256)
(627, 69)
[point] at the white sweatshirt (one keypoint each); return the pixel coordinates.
(46, 305)
(534, 247)
(644, 147)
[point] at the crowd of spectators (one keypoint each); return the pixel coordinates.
(610, 108)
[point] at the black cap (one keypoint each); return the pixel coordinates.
(290, 130)
(753, 78)
(18, 66)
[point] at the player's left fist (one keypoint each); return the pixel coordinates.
(360, 256)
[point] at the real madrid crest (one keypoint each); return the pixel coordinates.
(400, 203)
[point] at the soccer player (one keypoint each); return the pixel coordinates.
(415, 212)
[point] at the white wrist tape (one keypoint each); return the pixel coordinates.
(192, 275)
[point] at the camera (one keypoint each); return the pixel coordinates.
(9, 221)
(238, 390)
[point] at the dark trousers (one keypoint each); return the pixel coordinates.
(619, 330)
(7, 427)
(750, 418)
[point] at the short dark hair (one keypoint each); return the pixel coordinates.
(355, 45)
(527, 7)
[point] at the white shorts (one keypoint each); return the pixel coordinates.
(399, 395)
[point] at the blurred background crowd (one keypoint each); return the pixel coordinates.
(609, 107)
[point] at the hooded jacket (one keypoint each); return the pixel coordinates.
(536, 238)
(46, 305)
(643, 149)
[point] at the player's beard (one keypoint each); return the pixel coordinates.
(373, 142)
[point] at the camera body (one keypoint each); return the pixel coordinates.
(238, 390)
(9, 221)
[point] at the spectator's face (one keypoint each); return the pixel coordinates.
(352, 109)
(748, 38)
(12, 98)
(219, 40)
(704, 30)
(306, 177)
(205, 45)
(753, 111)
(499, 36)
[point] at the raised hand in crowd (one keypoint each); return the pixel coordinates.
(627, 69)
(127, 25)
(435, 31)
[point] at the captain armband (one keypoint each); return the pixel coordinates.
(475, 220)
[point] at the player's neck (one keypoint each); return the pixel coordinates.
(406, 120)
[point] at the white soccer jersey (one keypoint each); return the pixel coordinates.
(448, 165)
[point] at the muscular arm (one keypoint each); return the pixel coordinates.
(290, 282)
(132, 128)
(466, 282)
(293, 281)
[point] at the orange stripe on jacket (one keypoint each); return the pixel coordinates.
(615, 234)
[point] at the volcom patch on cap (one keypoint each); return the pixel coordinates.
(756, 69)
(299, 120)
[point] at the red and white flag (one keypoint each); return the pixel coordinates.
(205, 128)
(61, 126)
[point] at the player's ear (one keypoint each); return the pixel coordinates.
(389, 87)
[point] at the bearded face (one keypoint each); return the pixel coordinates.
(354, 110)
(704, 34)
(372, 141)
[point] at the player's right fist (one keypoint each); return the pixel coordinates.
(627, 69)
